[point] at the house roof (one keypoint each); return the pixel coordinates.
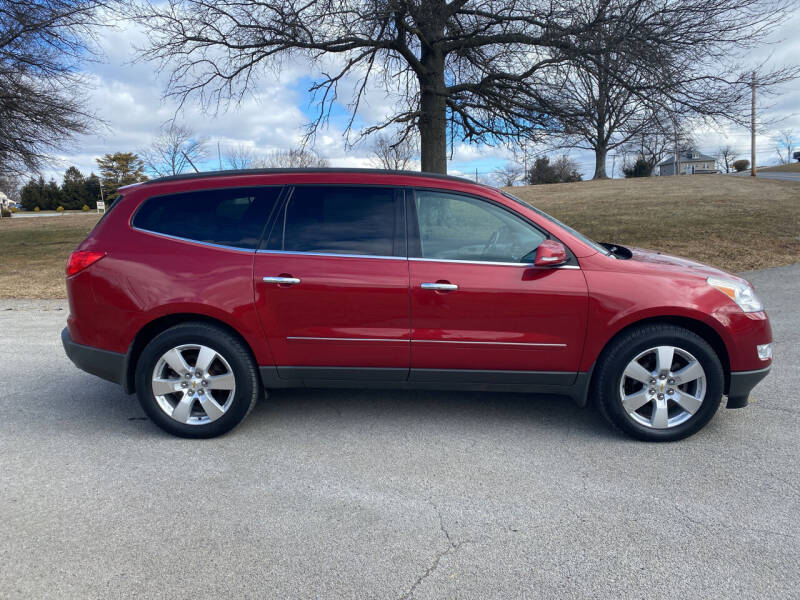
(687, 157)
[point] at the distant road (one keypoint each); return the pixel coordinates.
(771, 175)
(30, 215)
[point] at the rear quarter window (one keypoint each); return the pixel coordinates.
(229, 217)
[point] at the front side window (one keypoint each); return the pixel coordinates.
(342, 220)
(229, 217)
(455, 227)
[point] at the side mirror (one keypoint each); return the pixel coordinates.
(550, 253)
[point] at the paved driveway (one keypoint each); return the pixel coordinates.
(363, 494)
(781, 176)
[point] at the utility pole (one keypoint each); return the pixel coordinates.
(753, 128)
(677, 163)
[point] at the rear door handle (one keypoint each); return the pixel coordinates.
(438, 286)
(281, 280)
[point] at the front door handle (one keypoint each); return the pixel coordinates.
(440, 286)
(281, 280)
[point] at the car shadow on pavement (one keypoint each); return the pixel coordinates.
(469, 410)
(99, 405)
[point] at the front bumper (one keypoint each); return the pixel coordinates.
(108, 365)
(742, 383)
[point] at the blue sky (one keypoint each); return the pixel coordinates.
(128, 97)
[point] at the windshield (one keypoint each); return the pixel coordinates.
(586, 240)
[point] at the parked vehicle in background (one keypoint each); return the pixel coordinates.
(199, 292)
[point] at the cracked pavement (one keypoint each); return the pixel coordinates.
(383, 494)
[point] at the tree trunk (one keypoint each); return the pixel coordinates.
(600, 163)
(433, 114)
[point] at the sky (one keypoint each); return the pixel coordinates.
(127, 96)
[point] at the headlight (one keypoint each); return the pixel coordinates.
(741, 293)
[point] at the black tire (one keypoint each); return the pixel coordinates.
(630, 344)
(242, 365)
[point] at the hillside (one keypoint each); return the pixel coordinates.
(735, 223)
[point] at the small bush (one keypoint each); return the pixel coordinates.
(641, 168)
(741, 165)
(35, 209)
(85, 208)
(60, 209)
(4, 212)
(14, 209)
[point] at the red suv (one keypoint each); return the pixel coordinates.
(199, 292)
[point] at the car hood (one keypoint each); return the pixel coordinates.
(678, 265)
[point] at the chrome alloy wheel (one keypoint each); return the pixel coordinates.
(662, 387)
(193, 384)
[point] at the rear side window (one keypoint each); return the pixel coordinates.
(229, 217)
(342, 220)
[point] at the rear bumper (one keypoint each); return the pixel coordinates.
(108, 365)
(742, 383)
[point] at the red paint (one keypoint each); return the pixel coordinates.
(512, 310)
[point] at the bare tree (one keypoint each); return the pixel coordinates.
(784, 146)
(726, 155)
(294, 158)
(393, 154)
(240, 156)
(464, 69)
(175, 150)
(42, 95)
(676, 62)
(509, 174)
(657, 140)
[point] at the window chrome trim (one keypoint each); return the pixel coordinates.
(330, 254)
(489, 262)
(492, 343)
(202, 243)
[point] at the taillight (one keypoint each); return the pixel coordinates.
(78, 261)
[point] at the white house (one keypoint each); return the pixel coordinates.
(691, 162)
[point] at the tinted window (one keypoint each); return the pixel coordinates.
(342, 220)
(456, 227)
(230, 217)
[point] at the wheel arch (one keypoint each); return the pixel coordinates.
(704, 330)
(161, 324)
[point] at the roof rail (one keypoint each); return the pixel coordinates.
(311, 170)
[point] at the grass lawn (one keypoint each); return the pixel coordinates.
(793, 167)
(735, 223)
(33, 253)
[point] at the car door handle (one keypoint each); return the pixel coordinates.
(439, 286)
(281, 280)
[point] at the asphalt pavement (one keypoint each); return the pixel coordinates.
(376, 494)
(778, 175)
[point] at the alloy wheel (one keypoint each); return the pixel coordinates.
(193, 384)
(662, 387)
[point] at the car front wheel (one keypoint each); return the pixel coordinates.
(659, 382)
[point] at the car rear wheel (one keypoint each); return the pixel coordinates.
(659, 382)
(197, 380)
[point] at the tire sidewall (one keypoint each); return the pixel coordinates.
(626, 351)
(225, 345)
